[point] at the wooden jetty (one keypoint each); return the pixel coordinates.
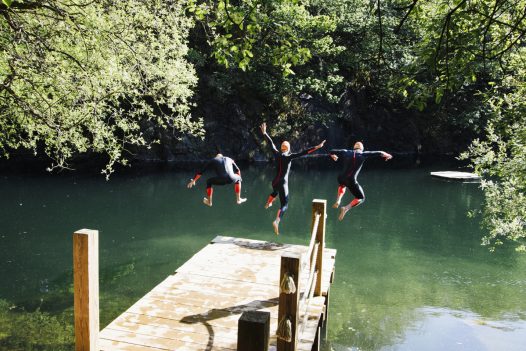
(234, 294)
(454, 175)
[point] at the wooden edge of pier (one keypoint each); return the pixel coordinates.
(228, 296)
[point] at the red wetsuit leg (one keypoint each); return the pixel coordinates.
(237, 188)
(356, 202)
(341, 190)
(209, 191)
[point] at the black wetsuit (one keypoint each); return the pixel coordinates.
(280, 184)
(226, 171)
(353, 162)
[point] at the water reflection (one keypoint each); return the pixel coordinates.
(409, 247)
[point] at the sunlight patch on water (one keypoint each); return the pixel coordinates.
(445, 329)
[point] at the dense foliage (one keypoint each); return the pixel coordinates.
(88, 76)
(501, 158)
(475, 52)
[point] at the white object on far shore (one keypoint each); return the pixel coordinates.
(454, 175)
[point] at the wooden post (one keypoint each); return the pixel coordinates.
(253, 331)
(319, 206)
(86, 289)
(326, 315)
(316, 346)
(289, 303)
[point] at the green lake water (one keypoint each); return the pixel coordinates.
(410, 271)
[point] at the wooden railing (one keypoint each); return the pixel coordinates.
(293, 306)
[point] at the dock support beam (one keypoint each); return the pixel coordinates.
(319, 206)
(289, 303)
(253, 331)
(86, 289)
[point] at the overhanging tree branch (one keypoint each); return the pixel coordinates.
(409, 8)
(444, 27)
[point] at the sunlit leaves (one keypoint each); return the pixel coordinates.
(463, 42)
(91, 77)
(279, 32)
(501, 159)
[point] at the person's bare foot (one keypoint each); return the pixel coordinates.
(241, 200)
(207, 202)
(343, 212)
(268, 204)
(336, 204)
(275, 224)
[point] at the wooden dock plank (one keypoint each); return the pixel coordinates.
(233, 287)
(249, 272)
(259, 273)
(156, 342)
(199, 333)
(182, 297)
(174, 334)
(197, 328)
(195, 314)
(219, 251)
(112, 345)
(198, 307)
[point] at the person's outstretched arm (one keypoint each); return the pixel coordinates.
(337, 153)
(307, 151)
(382, 154)
(198, 175)
(263, 128)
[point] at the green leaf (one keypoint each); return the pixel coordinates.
(438, 96)
(7, 2)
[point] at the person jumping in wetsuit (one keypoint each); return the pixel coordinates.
(227, 172)
(353, 162)
(280, 184)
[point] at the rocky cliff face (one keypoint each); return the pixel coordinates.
(232, 129)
